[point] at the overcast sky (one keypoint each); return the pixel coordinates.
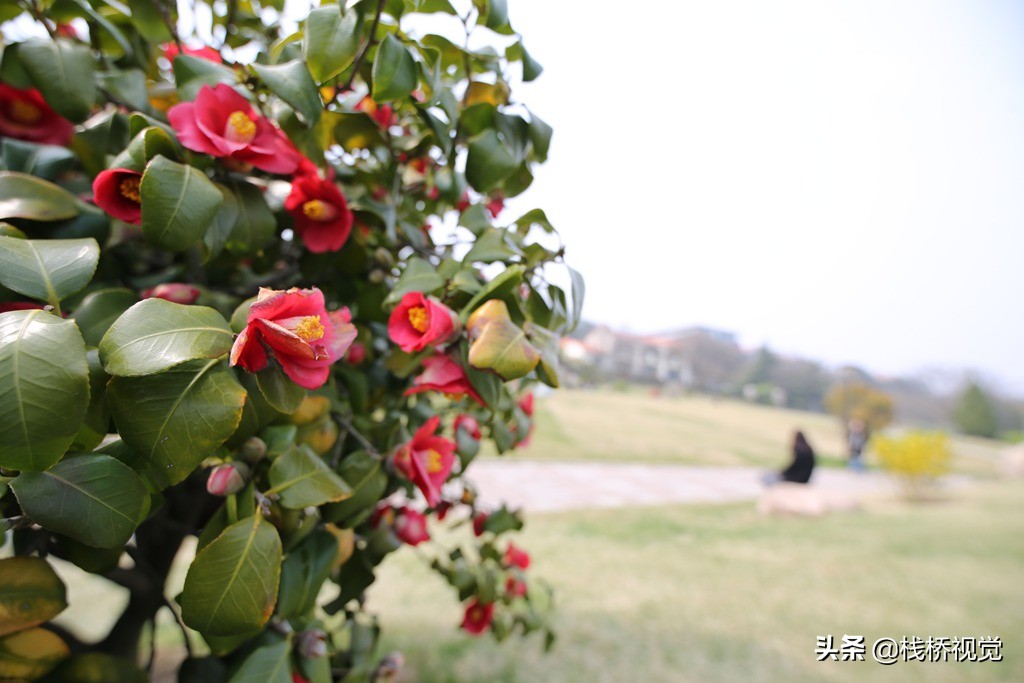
(841, 180)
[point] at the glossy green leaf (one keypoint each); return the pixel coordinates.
(394, 71)
(100, 309)
(304, 572)
(531, 67)
(109, 29)
(330, 42)
(503, 283)
(267, 664)
(30, 593)
(282, 394)
(292, 83)
(147, 144)
(93, 499)
(231, 586)
(45, 382)
(41, 161)
(96, 420)
(25, 196)
(489, 161)
(63, 72)
(30, 654)
(96, 667)
(356, 130)
(540, 137)
(127, 85)
(192, 73)
(490, 246)
(155, 335)
(47, 270)
(301, 478)
(546, 342)
(218, 234)
(178, 204)
(365, 475)
(256, 224)
(418, 276)
(146, 17)
(175, 419)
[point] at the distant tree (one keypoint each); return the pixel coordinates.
(758, 370)
(715, 362)
(862, 402)
(975, 413)
(804, 382)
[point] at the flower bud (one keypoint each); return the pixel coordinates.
(253, 450)
(227, 479)
(175, 292)
(384, 257)
(312, 643)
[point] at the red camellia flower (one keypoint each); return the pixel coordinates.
(526, 404)
(222, 123)
(175, 292)
(411, 526)
(515, 587)
(469, 425)
(426, 460)
(19, 306)
(356, 353)
(421, 321)
(296, 678)
(478, 617)
(296, 326)
(517, 557)
(208, 53)
(322, 217)
(496, 205)
(441, 373)
(383, 114)
(116, 191)
(25, 115)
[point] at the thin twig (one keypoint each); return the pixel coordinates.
(366, 48)
(349, 428)
(181, 625)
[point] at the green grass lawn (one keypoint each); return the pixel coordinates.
(697, 430)
(717, 593)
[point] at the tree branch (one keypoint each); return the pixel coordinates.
(366, 48)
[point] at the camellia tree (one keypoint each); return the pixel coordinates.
(260, 297)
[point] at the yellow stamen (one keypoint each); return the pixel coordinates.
(23, 112)
(418, 318)
(241, 127)
(310, 328)
(129, 188)
(316, 209)
(433, 462)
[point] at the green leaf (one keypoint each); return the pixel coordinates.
(192, 73)
(178, 204)
(41, 161)
(502, 284)
(540, 137)
(128, 85)
(292, 83)
(31, 654)
(47, 270)
(155, 335)
(356, 130)
(366, 477)
(533, 217)
(217, 236)
(394, 71)
(498, 344)
(301, 478)
(280, 392)
(25, 196)
(108, 27)
(63, 73)
(177, 418)
(418, 276)
(96, 420)
(489, 161)
(304, 572)
(96, 667)
(231, 586)
(45, 382)
(30, 593)
(331, 42)
(531, 67)
(99, 310)
(546, 342)
(256, 225)
(492, 246)
(146, 145)
(146, 17)
(267, 664)
(93, 499)
(579, 291)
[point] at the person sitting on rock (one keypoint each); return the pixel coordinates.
(800, 469)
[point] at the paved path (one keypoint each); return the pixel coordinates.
(539, 486)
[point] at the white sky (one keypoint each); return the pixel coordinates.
(841, 180)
